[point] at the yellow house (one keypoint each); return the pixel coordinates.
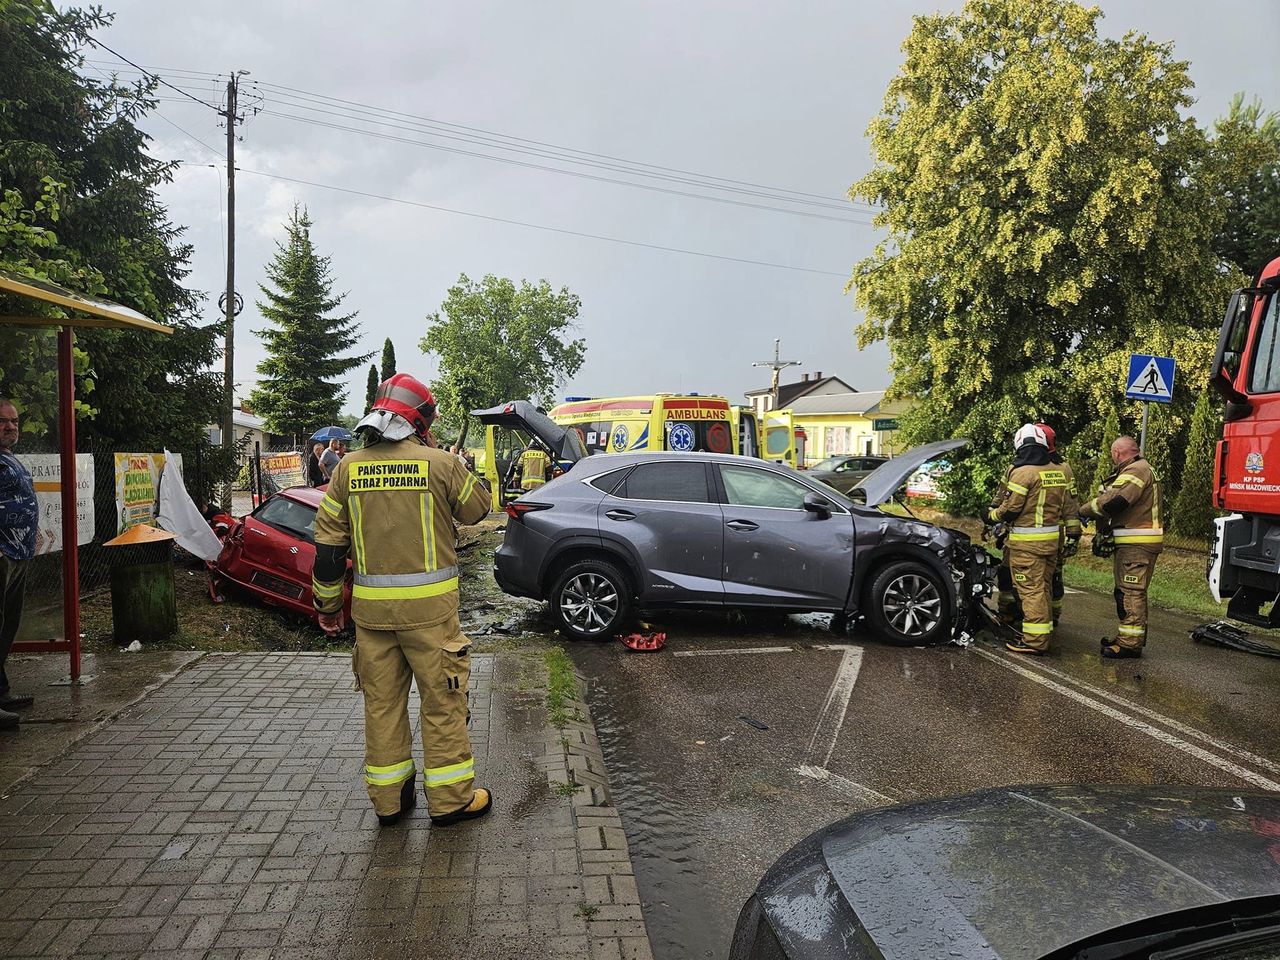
(859, 424)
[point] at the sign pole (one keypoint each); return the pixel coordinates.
(1142, 437)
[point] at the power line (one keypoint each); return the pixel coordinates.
(152, 76)
(538, 226)
(297, 98)
(553, 155)
(540, 143)
(570, 173)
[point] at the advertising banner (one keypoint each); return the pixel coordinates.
(284, 469)
(137, 487)
(46, 476)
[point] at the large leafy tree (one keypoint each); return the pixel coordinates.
(78, 206)
(1248, 139)
(300, 388)
(1049, 207)
(497, 341)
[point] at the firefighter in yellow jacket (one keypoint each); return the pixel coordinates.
(392, 506)
(533, 468)
(1130, 500)
(1035, 504)
(1069, 541)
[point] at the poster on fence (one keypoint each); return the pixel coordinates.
(46, 476)
(285, 469)
(137, 487)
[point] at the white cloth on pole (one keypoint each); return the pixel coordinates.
(179, 515)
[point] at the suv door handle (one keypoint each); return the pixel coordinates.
(620, 515)
(742, 525)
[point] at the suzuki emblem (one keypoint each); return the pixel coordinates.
(293, 549)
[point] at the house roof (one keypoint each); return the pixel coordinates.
(864, 402)
(788, 393)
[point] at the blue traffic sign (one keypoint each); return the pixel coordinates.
(1150, 378)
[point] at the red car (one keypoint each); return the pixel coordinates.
(271, 551)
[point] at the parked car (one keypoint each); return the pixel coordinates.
(1109, 873)
(270, 552)
(623, 532)
(843, 473)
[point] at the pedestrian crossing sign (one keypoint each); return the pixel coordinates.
(1150, 378)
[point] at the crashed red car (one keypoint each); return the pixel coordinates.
(270, 552)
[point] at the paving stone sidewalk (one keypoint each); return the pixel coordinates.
(224, 816)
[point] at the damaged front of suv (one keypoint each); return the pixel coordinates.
(917, 582)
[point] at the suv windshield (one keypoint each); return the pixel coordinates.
(828, 464)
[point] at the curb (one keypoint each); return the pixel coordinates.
(574, 761)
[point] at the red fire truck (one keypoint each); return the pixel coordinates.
(1245, 563)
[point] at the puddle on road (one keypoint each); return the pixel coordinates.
(681, 846)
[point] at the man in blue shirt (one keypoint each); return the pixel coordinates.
(19, 518)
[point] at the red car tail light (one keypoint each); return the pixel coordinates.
(519, 508)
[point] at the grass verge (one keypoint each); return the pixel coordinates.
(1178, 584)
(562, 687)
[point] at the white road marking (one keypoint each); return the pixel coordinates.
(1238, 752)
(1163, 736)
(831, 717)
(842, 784)
(732, 651)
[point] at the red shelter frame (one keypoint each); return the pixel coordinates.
(77, 310)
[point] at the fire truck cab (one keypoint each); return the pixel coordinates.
(1244, 564)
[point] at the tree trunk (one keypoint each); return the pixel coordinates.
(462, 437)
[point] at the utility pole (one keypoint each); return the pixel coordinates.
(777, 366)
(229, 349)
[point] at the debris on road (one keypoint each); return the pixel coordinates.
(644, 642)
(752, 722)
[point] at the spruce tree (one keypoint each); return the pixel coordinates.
(1192, 513)
(388, 359)
(1110, 430)
(300, 385)
(371, 389)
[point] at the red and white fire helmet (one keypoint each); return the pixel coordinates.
(402, 406)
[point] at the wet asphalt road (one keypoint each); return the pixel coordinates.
(723, 754)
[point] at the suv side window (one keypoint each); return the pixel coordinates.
(666, 480)
(748, 487)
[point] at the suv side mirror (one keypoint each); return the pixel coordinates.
(818, 505)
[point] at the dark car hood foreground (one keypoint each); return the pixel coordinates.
(882, 483)
(1018, 872)
(523, 415)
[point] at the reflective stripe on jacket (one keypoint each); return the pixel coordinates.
(1037, 503)
(393, 505)
(1132, 498)
(533, 468)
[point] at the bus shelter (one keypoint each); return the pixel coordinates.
(74, 310)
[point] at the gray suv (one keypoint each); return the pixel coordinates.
(622, 532)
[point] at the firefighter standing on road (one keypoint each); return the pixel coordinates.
(392, 505)
(1069, 542)
(1036, 505)
(1130, 500)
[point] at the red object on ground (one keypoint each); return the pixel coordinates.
(644, 641)
(266, 554)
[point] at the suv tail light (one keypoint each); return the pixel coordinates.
(518, 508)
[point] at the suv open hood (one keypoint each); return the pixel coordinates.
(564, 443)
(881, 483)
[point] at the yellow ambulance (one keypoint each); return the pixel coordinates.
(663, 421)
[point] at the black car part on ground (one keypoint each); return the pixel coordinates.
(1223, 634)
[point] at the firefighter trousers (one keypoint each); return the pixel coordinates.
(1032, 570)
(439, 659)
(1133, 566)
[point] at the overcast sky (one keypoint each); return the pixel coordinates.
(767, 93)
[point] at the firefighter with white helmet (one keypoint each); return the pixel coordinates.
(1069, 541)
(391, 506)
(1034, 501)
